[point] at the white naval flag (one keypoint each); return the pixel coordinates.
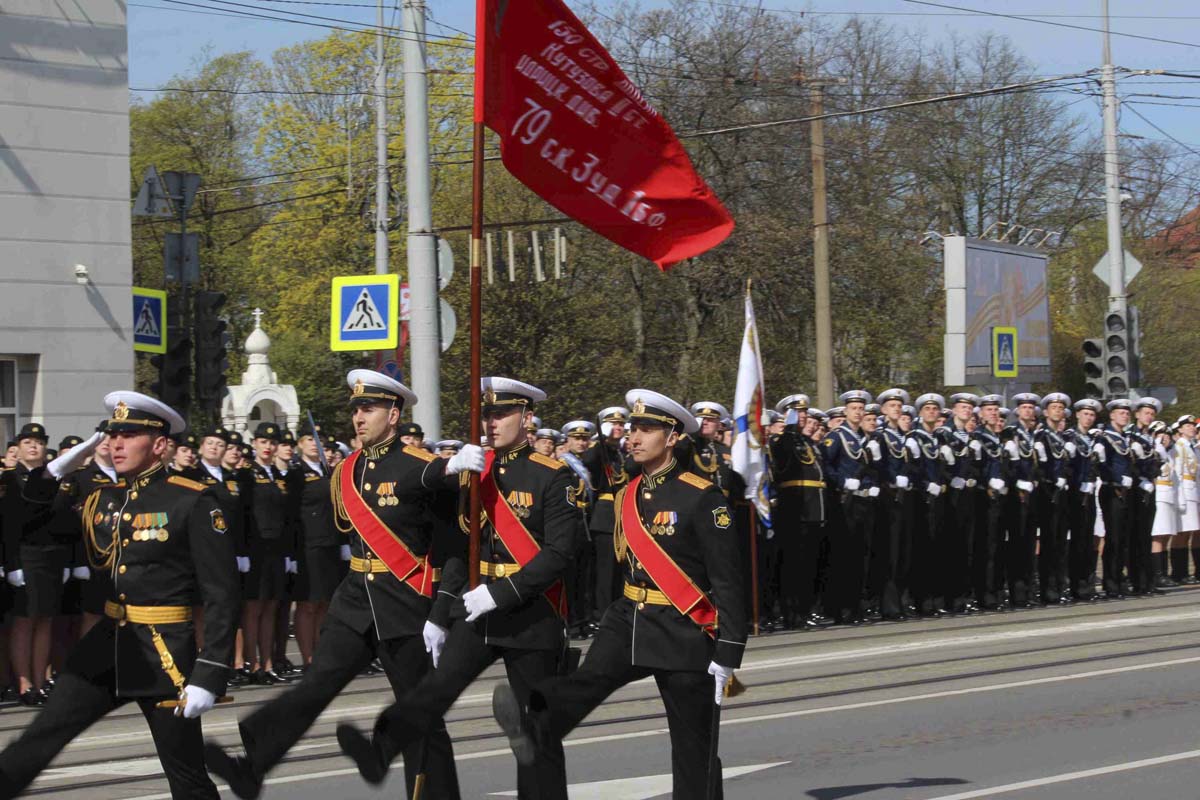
(749, 441)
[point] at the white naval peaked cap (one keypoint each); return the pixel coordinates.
(964, 397)
(1149, 402)
(657, 407)
(855, 396)
(893, 394)
(1026, 398)
(1056, 397)
(931, 398)
(614, 414)
(709, 409)
(836, 411)
(448, 444)
(546, 433)
(1119, 402)
(506, 391)
(798, 401)
(579, 427)
(1090, 403)
(367, 384)
(991, 400)
(134, 410)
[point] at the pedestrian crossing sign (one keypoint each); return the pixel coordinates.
(149, 320)
(364, 313)
(1004, 352)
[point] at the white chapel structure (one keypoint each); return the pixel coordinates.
(260, 397)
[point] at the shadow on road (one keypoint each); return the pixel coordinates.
(835, 792)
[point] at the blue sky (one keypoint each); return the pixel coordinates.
(166, 39)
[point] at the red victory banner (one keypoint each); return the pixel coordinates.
(577, 131)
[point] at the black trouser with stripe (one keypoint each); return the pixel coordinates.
(891, 551)
(1114, 506)
(84, 693)
(1052, 552)
(341, 654)
(1021, 549)
(1081, 518)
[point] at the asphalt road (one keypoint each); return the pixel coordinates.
(1095, 701)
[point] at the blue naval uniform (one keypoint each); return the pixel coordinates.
(1082, 474)
(991, 499)
(960, 465)
(1146, 468)
(1054, 464)
(891, 549)
(851, 512)
(927, 530)
(1021, 517)
(1118, 476)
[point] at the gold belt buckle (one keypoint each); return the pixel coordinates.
(642, 593)
(122, 613)
(499, 571)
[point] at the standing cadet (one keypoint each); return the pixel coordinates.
(606, 463)
(1083, 449)
(100, 474)
(382, 497)
(990, 502)
(1052, 507)
(1022, 468)
(320, 569)
(165, 542)
(1147, 463)
(1117, 472)
(1189, 517)
(891, 548)
(271, 526)
(849, 469)
(799, 514)
(528, 538)
(229, 493)
(676, 543)
(581, 582)
(709, 456)
(929, 480)
(962, 461)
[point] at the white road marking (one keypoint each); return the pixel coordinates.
(643, 787)
(804, 712)
(1049, 780)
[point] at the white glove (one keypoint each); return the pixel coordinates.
(933, 489)
(873, 449)
(1126, 481)
(1061, 483)
(1086, 487)
(851, 484)
(478, 602)
(74, 459)
(721, 676)
(958, 483)
(976, 448)
(435, 640)
(770, 534)
(901, 481)
(791, 417)
(1162, 452)
(1147, 487)
(243, 563)
(996, 485)
(1138, 450)
(290, 565)
(66, 574)
(1, 572)
(1025, 486)
(17, 578)
(1096, 433)
(196, 701)
(1071, 449)
(914, 449)
(81, 573)
(1010, 447)
(1041, 451)
(470, 457)
(1101, 455)
(345, 552)
(873, 491)
(947, 454)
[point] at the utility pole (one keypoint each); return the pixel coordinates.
(1112, 179)
(424, 338)
(822, 310)
(381, 170)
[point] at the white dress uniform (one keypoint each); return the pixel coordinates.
(1187, 463)
(1166, 498)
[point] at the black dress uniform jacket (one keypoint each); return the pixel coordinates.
(311, 491)
(547, 496)
(166, 543)
(229, 491)
(607, 467)
(700, 539)
(27, 514)
(799, 477)
(396, 481)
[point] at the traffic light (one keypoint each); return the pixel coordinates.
(174, 384)
(1093, 368)
(212, 347)
(1117, 354)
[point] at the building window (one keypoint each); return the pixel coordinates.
(8, 399)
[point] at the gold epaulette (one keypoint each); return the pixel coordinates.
(546, 461)
(695, 480)
(188, 483)
(419, 452)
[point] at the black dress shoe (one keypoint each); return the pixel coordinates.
(507, 712)
(362, 752)
(33, 697)
(237, 771)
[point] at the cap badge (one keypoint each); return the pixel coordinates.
(359, 387)
(489, 397)
(639, 407)
(121, 412)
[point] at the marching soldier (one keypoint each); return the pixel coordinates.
(961, 463)
(1054, 460)
(1147, 463)
(849, 469)
(683, 593)
(606, 463)
(164, 540)
(381, 495)
(581, 583)
(1022, 470)
(529, 535)
(799, 514)
(1082, 474)
(991, 491)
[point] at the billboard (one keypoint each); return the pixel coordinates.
(990, 286)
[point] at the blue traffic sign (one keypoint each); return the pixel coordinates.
(392, 370)
(364, 313)
(149, 320)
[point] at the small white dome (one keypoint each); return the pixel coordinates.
(258, 343)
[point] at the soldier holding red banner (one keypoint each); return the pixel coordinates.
(528, 541)
(683, 592)
(383, 497)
